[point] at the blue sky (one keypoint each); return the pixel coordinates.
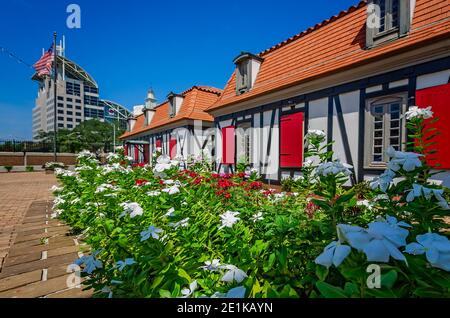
(128, 46)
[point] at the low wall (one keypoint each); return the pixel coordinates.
(34, 158)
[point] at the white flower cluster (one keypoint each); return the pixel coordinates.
(408, 161)
(133, 209)
(104, 187)
(65, 173)
(163, 163)
(228, 219)
(86, 154)
(416, 112)
(314, 133)
(332, 168)
(232, 274)
(419, 191)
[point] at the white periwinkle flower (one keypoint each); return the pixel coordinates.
(419, 190)
(380, 241)
(186, 292)
(334, 254)
(127, 262)
(409, 161)
(212, 266)
(257, 217)
(436, 248)
(315, 134)
(333, 168)
(151, 232)
(182, 223)
(416, 112)
(154, 193)
(383, 181)
(172, 190)
(170, 213)
(233, 274)
(133, 208)
(91, 262)
(229, 219)
(365, 203)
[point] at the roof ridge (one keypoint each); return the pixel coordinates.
(313, 28)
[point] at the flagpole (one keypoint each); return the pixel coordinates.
(55, 79)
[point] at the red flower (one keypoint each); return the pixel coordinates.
(138, 165)
(197, 180)
(225, 184)
(161, 182)
(241, 175)
(311, 209)
(141, 182)
(256, 185)
(215, 175)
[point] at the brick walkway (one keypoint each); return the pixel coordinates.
(36, 250)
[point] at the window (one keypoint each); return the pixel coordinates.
(60, 105)
(78, 120)
(78, 101)
(242, 77)
(60, 111)
(70, 126)
(61, 118)
(385, 128)
(244, 143)
(69, 99)
(387, 21)
(78, 107)
(61, 125)
(60, 98)
(69, 106)
(69, 113)
(78, 114)
(72, 89)
(69, 119)
(172, 108)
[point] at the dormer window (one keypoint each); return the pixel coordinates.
(387, 20)
(247, 68)
(175, 101)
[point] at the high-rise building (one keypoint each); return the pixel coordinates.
(78, 99)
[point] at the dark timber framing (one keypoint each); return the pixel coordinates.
(411, 73)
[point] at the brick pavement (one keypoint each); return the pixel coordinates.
(36, 250)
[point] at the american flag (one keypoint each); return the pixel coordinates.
(44, 65)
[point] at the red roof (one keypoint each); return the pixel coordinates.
(196, 100)
(334, 45)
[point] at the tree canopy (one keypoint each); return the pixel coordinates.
(92, 135)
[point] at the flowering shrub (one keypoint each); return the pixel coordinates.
(176, 229)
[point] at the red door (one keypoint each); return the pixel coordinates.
(146, 153)
(136, 153)
(291, 141)
(228, 145)
(438, 97)
(173, 148)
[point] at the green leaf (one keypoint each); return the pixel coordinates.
(388, 280)
(165, 293)
(322, 272)
(330, 291)
(270, 263)
(351, 289)
(182, 273)
(157, 281)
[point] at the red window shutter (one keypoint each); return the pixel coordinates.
(291, 141)
(228, 145)
(125, 149)
(173, 148)
(158, 143)
(438, 97)
(136, 153)
(146, 153)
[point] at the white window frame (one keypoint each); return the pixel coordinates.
(244, 142)
(380, 131)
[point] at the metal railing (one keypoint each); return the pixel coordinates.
(11, 145)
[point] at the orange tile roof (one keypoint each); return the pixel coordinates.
(334, 45)
(196, 100)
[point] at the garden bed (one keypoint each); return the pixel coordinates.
(166, 231)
